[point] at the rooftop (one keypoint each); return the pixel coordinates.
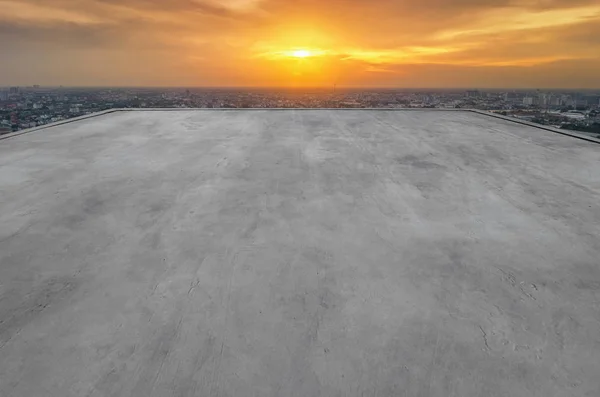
(299, 253)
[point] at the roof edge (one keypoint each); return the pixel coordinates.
(569, 133)
(50, 125)
(572, 134)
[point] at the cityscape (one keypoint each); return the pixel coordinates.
(33, 106)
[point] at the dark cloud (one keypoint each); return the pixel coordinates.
(60, 35)
(191, 6)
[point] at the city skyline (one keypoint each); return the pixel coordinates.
(512, 44)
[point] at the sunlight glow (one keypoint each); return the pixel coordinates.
(301, 53)
(297, 53)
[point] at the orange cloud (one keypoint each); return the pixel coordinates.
(252, 42)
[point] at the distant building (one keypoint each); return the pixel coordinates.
(566, 100)
(3, 95)
(511, 97)
(14, 90)
(529, 101)
(592, 100)
(574, 116)
(14, 118)
(555, 101)
(473, 94)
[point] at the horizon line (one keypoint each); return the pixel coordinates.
(299, 88)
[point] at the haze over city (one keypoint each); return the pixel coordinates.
(301, 43)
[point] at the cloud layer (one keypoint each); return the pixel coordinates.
(426, 43)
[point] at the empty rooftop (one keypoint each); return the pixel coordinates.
(299, 253)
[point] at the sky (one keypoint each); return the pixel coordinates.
(301, 43)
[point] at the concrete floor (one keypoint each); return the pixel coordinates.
(299, 253)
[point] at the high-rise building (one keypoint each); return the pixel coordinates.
(14, 90)
(566, 100)
(3, 95)
(555, 101)
(473, 94)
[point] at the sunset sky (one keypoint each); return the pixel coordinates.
(377, 43)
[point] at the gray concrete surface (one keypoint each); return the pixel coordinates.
(299, 253)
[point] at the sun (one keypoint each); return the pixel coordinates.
(301, 53)
(296, 55)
